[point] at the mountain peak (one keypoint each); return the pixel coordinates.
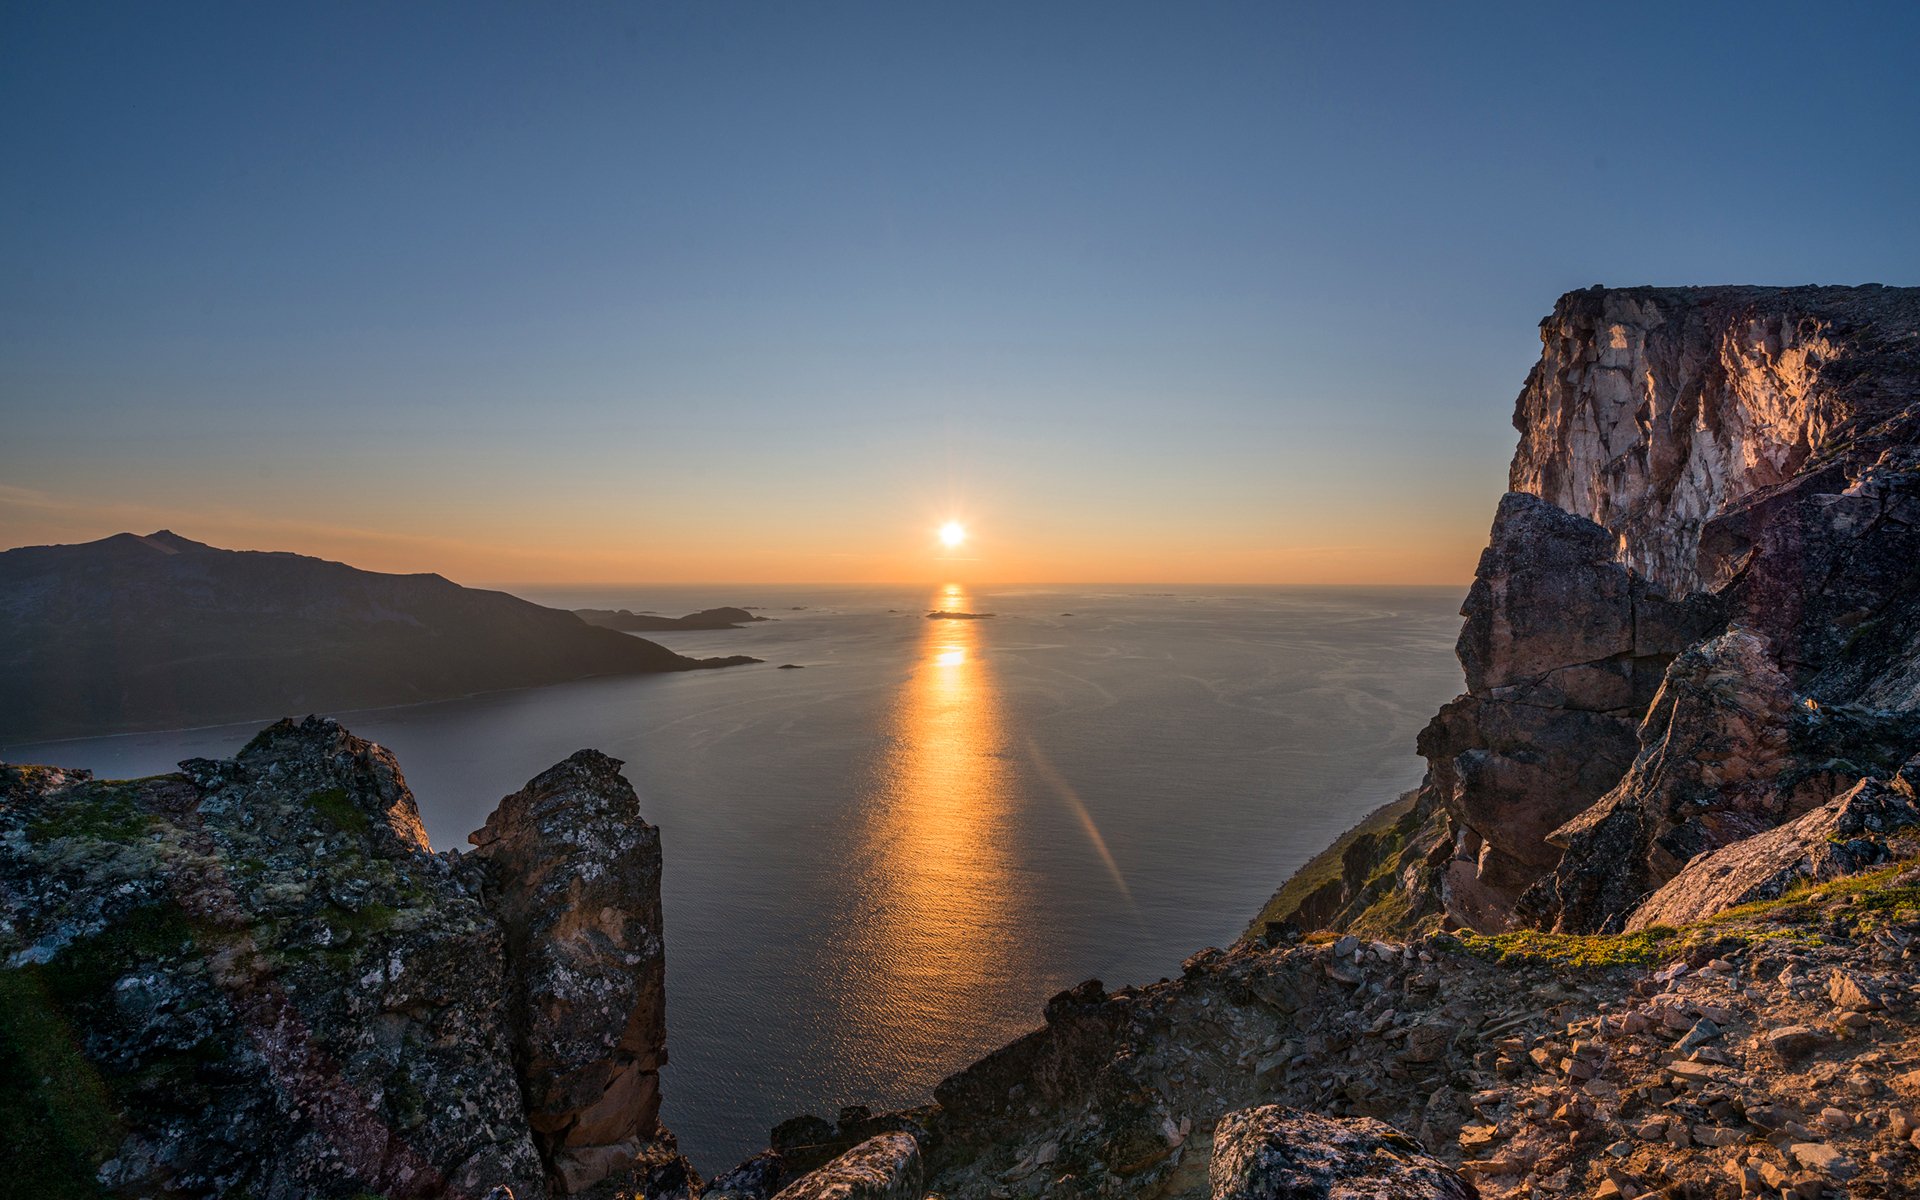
(168, 542)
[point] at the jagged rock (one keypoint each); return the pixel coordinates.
(251, 978)
(1278, 1153)
(886, 1167)
(573, 874)
(1849, 834)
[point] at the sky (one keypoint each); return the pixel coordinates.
(600, 293)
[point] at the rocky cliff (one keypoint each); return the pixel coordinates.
(255, 977)
(1697, 618)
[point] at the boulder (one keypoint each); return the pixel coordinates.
(1278, 1153)
(886, 1167)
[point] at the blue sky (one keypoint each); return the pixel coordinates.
(728, 291)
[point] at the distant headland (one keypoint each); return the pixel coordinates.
(633, 622)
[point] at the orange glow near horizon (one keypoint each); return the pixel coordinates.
(551, 545)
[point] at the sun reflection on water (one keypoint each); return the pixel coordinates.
(938, 864)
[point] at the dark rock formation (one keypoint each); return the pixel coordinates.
(1278, 1153)
(632, 622)
(1563, 648)
(572, 873)
(160, 631)
(255, 977)
(884, 1167)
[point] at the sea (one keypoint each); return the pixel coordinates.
(880, 865)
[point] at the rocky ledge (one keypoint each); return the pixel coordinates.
(255, 977)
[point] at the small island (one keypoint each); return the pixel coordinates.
(633, 622)
(957, 616)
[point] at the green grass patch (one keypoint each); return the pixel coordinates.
(1871, 894)
(107, 814)
(57, 1121)
(337, 809)
(1387, 915)
(1572, 950)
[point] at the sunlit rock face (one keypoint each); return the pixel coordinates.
(1651, 409)
(573, 874)
(887, 1167)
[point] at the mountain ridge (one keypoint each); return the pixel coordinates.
(160, 631)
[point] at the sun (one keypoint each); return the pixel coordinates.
(952, 534)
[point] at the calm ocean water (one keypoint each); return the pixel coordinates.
(879, 867)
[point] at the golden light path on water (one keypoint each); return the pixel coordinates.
(944, 885)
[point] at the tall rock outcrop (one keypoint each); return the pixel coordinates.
(1698, 616)
(1563, 649)
(254, 977)
(573, 874)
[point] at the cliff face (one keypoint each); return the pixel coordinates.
(256, 978)
(1698, 615)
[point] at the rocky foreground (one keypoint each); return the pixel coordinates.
(254, 977)
(1649, 927)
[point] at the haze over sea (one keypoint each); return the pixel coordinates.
(879, 867)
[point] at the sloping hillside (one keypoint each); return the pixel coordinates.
(161, 631)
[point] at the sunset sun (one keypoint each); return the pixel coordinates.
(952, 534)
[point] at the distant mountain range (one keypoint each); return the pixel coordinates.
(161, 631)
(633, 622)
